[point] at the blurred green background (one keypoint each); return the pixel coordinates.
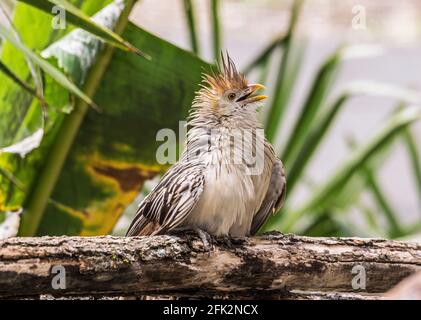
(343, 85)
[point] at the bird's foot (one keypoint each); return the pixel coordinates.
(206, 239)
(225, 240)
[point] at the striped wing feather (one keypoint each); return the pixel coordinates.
(170, 202)
(274, 199)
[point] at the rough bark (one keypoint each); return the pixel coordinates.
(272, 266)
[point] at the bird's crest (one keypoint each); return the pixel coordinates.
(226, 77)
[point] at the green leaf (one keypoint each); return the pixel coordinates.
(311, 143)
(287, 73)
(368, 173)
(108, 159)
(328, 226)
(24, 85)
(414, 157)
(35, 72)
(320, 127)
(39, 198)
(356, 160)
(371, 218)
(16, 105)
(349, 195)
(318, 92)
(216, 29)
(394, 228)
(21, 114)
(264, 55)
(56, 74)
(115, 152)
(191, 24)
(82, 20)
(78, 51)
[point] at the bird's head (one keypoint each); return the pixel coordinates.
(226, 94)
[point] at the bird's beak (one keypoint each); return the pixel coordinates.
(252, 88)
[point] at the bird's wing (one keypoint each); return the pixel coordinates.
(274, 199)
(170, 202)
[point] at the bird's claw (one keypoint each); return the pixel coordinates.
(226, 240)
(206, 239)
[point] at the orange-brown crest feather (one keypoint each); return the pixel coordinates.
(227, 76)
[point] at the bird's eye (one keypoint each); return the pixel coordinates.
(231, 96)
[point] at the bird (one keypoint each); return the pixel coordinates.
(213, 188)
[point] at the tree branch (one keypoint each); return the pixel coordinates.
(274, 266)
